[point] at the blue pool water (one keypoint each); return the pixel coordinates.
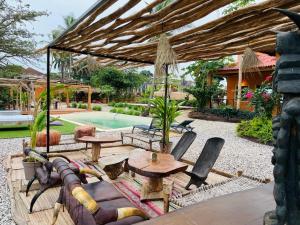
(106, 120)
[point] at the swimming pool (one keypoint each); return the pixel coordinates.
(105, 120)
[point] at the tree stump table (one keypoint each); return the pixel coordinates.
(96, 145)
(141, 163)
(113, 165)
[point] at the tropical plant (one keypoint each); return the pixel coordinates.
(17, 42)
(38, 125)
(63, 60)
(123, 82)
(259, 128)
(158, 111)
(200, 70)
(5, 98)
(107, 91)
(40, 113)
(74, 104)
(11, 71)
(237, 4)
(263, 99)
(97, 108)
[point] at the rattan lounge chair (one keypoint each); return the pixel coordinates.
(148, 128)
(183, 144)
(184, 125)
(205, 162)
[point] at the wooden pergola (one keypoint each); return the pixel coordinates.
(124, 33)
(30, 86)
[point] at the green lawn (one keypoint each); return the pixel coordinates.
(23, 131)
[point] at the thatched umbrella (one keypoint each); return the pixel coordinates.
(248, 61)
(165, 60)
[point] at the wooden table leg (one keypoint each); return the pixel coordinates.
(153, 189)
(96, 147)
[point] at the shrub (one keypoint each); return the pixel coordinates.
(82, 106)
(120, 105)
(97, 108)
(73, 105)
(264, 99)
(111, 104)
(228, 113)
(259, 128)
(114, 110)
(137, 113)
(131, 106)
(120, 110)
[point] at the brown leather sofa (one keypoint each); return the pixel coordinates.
(105, 195)
(94, 203)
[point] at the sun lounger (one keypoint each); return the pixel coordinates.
(184, 125)
(183, 144)
(205, 162)
(148, 128)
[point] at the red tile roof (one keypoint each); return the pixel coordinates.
(264, 59)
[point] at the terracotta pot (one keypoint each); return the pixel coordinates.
(167, 149)
(29, 168)
(41, 139)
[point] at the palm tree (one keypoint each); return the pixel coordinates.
(63, 60)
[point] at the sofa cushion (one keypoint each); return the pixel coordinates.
(81, 216)
(102, 191)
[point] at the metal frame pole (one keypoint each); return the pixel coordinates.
(165, 106)
(48, 100)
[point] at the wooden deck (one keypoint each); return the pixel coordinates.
(241, 208)
(248, 202)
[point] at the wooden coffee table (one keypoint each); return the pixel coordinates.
(96, 144)
(141, 163)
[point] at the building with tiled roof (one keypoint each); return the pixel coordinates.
(251, 79)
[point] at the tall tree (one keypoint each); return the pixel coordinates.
(16, 41)
(63, 60)
(237, 5)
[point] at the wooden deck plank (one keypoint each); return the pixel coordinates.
(45, 201)
(241, 208)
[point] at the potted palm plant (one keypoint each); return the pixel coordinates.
(39, 123)
(30, 163)
(158, 111)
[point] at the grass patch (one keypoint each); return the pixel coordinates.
(17, 131)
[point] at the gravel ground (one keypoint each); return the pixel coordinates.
(237, 154)
(8, 146)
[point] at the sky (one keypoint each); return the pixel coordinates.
(57, 9)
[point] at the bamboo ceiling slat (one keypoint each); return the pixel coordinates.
(128, 34)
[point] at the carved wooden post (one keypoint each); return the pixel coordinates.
(286, 130)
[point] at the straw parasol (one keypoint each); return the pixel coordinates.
(165, 59)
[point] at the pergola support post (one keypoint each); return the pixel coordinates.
(48, 100)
